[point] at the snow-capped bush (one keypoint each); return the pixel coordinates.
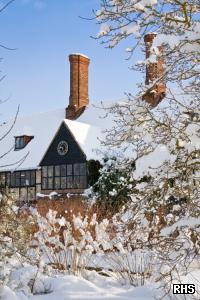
(15, 234)
(164, 141)
(68, 245)
(114, 185)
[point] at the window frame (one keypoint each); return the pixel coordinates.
(72, 179)
(21, 141)
(12, 177)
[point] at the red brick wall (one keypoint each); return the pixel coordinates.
(78, 99)
(153, 72)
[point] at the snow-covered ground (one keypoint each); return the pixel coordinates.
(71, 287)
(64, 287)
(95, 286)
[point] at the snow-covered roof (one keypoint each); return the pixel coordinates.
(43, 126)
(97, 116)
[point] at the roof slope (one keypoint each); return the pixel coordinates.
(43, 127)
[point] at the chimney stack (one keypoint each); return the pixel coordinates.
(154, 71)
(78, 99)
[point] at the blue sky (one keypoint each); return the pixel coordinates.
(45, 32)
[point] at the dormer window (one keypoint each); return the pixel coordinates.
(22, 141)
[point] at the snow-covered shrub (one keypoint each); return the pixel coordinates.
(28, 279)
(172, 239)
(16, 231)
(84, 243)
(131, 267)
(68, 245)
(114, 185)
(164, 141)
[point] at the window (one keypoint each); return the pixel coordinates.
(50, 183)
(70, 182)
(79, 175)
(44, 171)
(57, 170)
(21, 178)
(69, 170)
(16, 180)
(44, 178)
(19, 143)
(83, 170)
(47, 177)
(64, 176)
(76, 169)
(22, 141)
(50, 171)
(60, 177)
(63, 183)
(24, 179)
(57, 182)
(63, 170)
(50, 177)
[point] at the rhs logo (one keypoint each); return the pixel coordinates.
(180, 288)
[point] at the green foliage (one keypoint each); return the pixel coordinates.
(93, 167)
(114, 186)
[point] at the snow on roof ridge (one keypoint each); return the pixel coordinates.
(77, 121)
(81, 54)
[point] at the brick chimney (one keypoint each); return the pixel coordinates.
(154, 70)
(78, 99)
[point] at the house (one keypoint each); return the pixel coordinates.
(48, 152)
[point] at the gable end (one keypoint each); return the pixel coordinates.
(73, 153)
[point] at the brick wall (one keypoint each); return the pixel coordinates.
(78, 98)
(154, 71)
